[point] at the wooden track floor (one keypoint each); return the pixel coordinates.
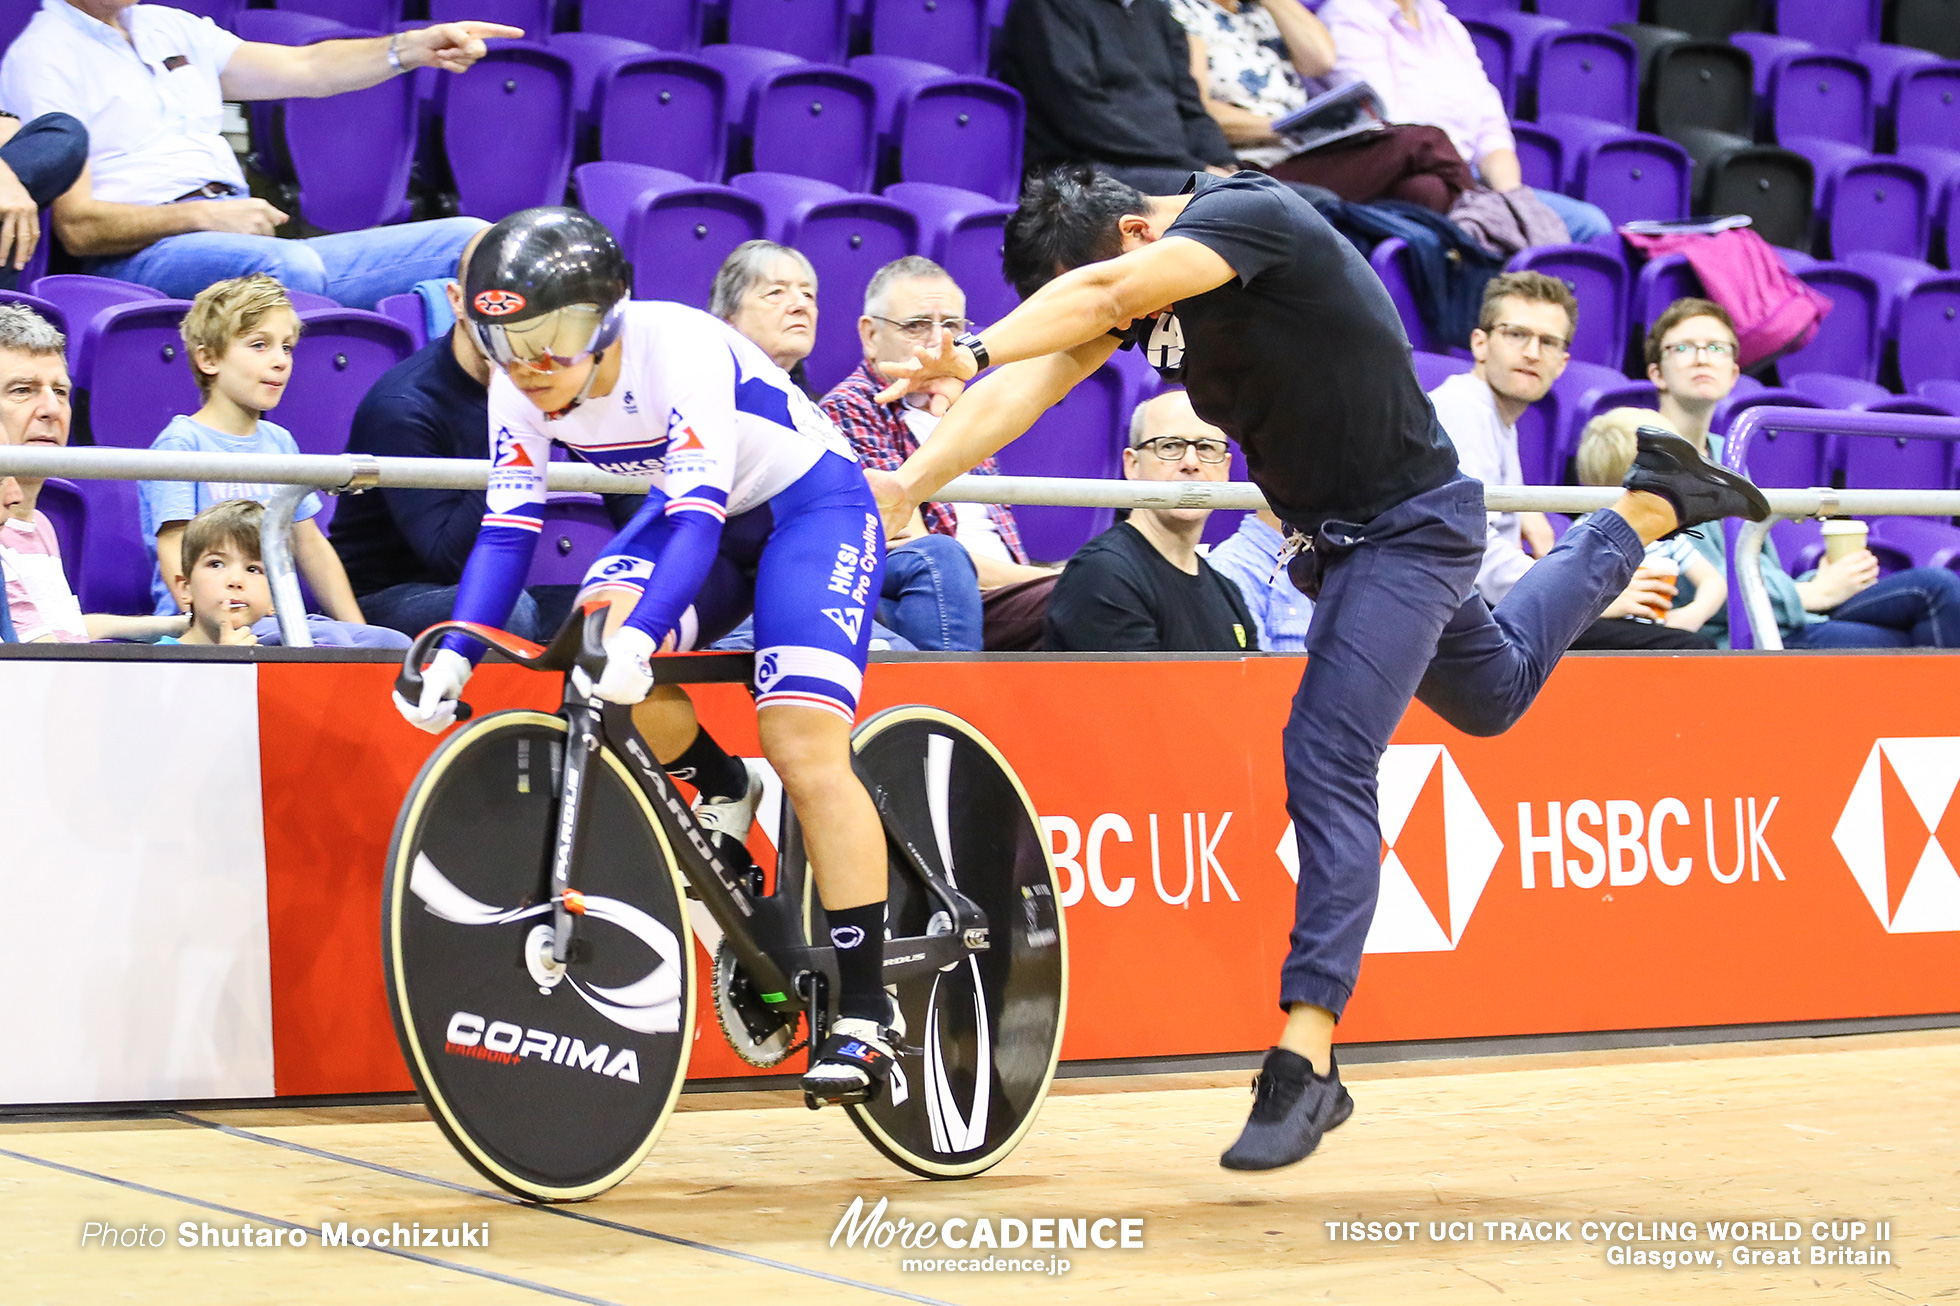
(738, 1201)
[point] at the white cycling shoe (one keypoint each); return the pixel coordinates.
(730, 819)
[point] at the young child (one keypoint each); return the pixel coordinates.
(1606, 449)
(239, 336)
(220, 581)
(40, 608)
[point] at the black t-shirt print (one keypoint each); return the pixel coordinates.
(1300, 358)
(1119, 595)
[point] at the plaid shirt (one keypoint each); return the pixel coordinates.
(882, 440)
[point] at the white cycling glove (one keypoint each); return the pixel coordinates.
(442, 684)
(628, 676)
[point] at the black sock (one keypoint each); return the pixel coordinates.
(858, 935)
(707, 768)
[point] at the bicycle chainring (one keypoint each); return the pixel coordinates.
(759, 1034)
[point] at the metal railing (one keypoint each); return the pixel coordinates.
(301, 474)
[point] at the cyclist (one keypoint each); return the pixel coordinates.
(758, 504)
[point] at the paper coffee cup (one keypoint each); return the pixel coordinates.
(1843, 537)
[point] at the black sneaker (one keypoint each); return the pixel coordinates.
(1700, 491)
(1291, 1108)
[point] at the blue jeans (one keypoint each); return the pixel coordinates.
(1586, 222)
(417, 605)
(46, 155)
(355, 268)
(1396, 617)
(1919, 608)
(931, 595)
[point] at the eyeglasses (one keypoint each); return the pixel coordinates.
(1689, 348)
(549, 341)
(918, 328)
(1519, 337)
(1171, 449)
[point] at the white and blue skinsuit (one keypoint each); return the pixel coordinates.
(758, 503)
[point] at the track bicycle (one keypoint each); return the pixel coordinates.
(545, 882)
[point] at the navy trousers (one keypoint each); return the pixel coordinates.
(1398, 617)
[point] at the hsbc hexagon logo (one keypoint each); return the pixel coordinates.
(1896, 832)
(1438, 850)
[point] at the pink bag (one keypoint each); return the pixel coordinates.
(1774, 312)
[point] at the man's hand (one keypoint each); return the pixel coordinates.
(949, 362)
(246, 217)
(452, 47)
(894, 500)
(1837, 581)
(20, 219)
(1647, 595)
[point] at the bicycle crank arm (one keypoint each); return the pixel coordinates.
(905, 959)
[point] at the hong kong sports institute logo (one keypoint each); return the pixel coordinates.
(1438, 850)
(1899, 830)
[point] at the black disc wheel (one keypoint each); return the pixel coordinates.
(552, 1080)
(981, 1038)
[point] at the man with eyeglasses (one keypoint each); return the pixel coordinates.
(1692, 359)
(1141, 586)
(1287, 342)
(910, 303)
(1521, 346)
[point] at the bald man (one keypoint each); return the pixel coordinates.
(404, 549)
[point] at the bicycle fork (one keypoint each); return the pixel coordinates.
(581, 744)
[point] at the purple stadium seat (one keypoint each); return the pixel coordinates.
(352, 153)
(342, 352)
(67, 512)
(808, 29)
(1388, 260)
(50, 311)
(593, 55)
(1829, 391)
(1887, 64)
(1083, 436)
(1868, 202)
(1434, 369)
(1483, 8)
(1926, 106)
(1592, 13)
(1599, 281)
(1821, 96)
(1848, 340)
(221, 12)
(674, 231)
(1755, 395)
(508, 130)
(368, 15)
(1541, 156)
(15, 15)
(1790, 460)
(1944, 393)
(305, 301)
(950, 33)
(1497, 48)
(668, 25)
(1929, 332)
(846, 239)
(963, 231)
(407, 310)
(1660, 282)
(282, 27)
(1896, 278)
(80, 297)
(815, 122)
(1584, 71)
(114, 575)
(534, 16)
(785, 198)
(1766, 50)
(1567, 407)
(665, 111)
(1629, 174)
(892, 77)
(962, 132)
(132, 364)
(576, 532)
(1833, 24)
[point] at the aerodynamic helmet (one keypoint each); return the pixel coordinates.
(546, 287)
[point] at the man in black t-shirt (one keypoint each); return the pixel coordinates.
(1288, 343)
(1142, 586)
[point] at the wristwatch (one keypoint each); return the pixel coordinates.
(971, 343)
(394, 53)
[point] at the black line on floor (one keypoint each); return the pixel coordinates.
(188, 1200)
(563, 1212)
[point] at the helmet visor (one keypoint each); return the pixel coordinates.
(550, 340)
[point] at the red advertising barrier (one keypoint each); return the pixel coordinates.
(1661, 842)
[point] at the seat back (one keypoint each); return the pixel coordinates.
(965, 233)
(1434, 369)
(1789, 460)
(508, 131)
(1893, 462)
(1661, 281)
(80, 297)
(1847, 340)
(1774, 187)
(67, 512)
(608, 189)
(816, 122)
(964, 133)
(1595, 74)
(665, 111)
(668, 25)
(1496, 50)
(1599, 282)
(809, 29)
(352, 153)
(678, 239)
(50, 312)
(1928, 24)
(1636, 176)
(577, 530)
(368, 15)
(341, 353)
(1389, 260)
(1082, 436)
(534, 16)
(1878, 205)
(407, 310)
(1709, 20)
(1699, 84)
(1541, 156)
(1591, 13)
(133, 366)
(1929, 332)
(1827, 96)
(846, 241)
(950, 33)
(1928, 107)
(113, 572)
(1840, 25)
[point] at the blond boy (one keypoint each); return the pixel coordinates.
(1606, 450)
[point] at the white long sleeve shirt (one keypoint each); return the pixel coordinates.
(1487, 449)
